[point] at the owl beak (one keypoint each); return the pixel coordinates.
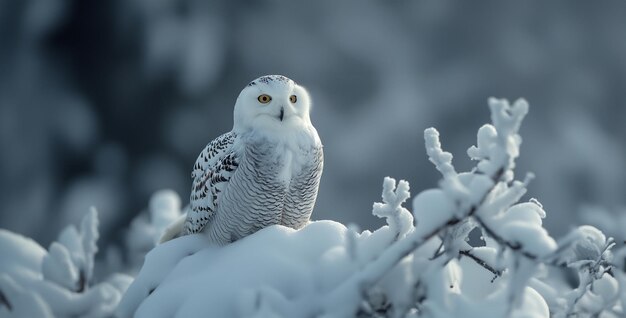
(282, 113)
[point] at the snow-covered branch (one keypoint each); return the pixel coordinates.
(399, 219)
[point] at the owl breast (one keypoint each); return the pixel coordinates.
(275, 183)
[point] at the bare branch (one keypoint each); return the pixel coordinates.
(483, 263)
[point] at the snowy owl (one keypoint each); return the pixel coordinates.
(265, 171)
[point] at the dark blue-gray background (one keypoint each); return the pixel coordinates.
(102, 103)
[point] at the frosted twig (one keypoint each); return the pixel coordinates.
(441, 159)
(443, 162)
(399, 219)
(507, 118)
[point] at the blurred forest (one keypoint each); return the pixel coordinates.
(103, 103)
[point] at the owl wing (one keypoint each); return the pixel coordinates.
(211, 173)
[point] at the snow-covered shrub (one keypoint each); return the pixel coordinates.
(418, 265)
(58, 282)
(70, 260)
(147, 228)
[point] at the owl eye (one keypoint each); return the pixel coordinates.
(293, 99)
(264, 98)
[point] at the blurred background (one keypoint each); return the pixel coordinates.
(103, 103)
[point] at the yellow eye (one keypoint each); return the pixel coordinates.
(293, 99)
(264, 98)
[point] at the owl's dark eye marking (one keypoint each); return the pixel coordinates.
(293, 99)
(264, 98)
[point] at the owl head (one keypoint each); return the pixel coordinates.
(272, 103)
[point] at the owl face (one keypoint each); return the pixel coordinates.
(272, 103)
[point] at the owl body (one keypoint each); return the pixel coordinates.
(265, 171)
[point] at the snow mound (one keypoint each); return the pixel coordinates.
(289, 273)
(223, 281)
